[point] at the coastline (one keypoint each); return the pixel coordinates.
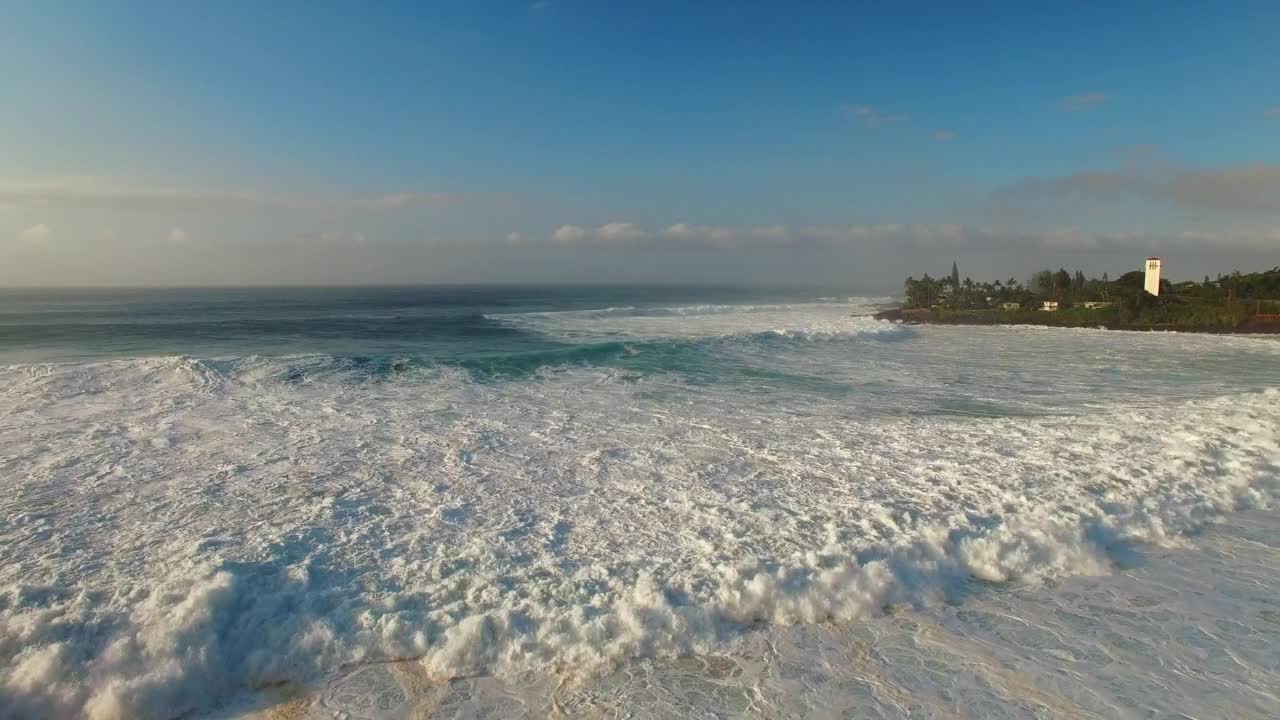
(924, 316)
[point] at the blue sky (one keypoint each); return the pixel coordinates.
(239, 143)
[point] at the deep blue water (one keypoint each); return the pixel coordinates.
(433, 324)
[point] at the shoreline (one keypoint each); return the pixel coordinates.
(1044, 319)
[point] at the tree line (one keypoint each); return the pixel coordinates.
(1072, 288)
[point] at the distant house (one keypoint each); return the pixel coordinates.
(1010, 306)
(1095, 305)
(1049, 306)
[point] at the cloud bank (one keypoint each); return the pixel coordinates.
(919, 236)
(1251, 190)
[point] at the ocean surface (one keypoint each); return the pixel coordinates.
(624, 502)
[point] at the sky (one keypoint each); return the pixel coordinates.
(555, 141)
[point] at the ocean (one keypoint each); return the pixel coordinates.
(626, 501)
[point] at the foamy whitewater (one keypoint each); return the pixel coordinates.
(210, 496)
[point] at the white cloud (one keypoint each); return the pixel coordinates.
(1084, 101)
(514, 238)
(568, 234)
(943, 136)
(717, 236)
(710, 234)
(679, 231)
(36, 234)
(910, 236)
(178, 236)
(616, 232)
(871, 116)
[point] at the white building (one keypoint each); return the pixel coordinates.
(1152, 283)
(1049, 306)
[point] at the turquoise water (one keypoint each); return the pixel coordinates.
(430, 324)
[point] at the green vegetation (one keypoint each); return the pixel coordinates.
(1236, 301)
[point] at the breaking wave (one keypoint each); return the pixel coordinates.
(686, 311)
(181, 529)
(704, 321)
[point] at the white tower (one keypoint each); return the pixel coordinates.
(1152, 284)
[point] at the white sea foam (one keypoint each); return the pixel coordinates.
(182, 529)
(698, 321)
(1183, 631)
